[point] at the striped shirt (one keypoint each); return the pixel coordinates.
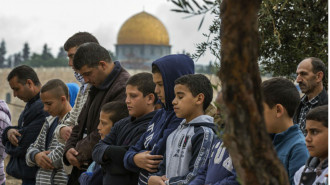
(74, 113)
(57, 175)
(4, 122)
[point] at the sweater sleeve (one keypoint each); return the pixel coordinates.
(74, 113)
(297, 158)
(29, 134)
(57, 154)
(201, 176)
(71, 143)
(36, 147)
(201, 146)
(132, 151)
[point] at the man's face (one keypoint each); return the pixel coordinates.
(137, 104)
(20, 91)
(71, 53)
(159, 89)
(306, 79)
(105, 124)
(184, 103)
(317, 139)
(93, 75)
(52, 104)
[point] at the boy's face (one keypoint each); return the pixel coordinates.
(52, 104)
(270, 117)
(185, 105)
(105, 124)
(317, 139)
(159, 89)
(137, 105)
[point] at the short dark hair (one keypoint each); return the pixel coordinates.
(282, 91)
(318, 65)
(79, 38)
(90, 54)
(320, 114)
(197, 83)
(58, 85)
(155, 69)
(117, 109)
(144, 83)
(24, 73)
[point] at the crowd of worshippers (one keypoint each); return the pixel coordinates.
(109, 131)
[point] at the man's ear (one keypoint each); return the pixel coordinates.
(29, 82)
(319, 76)
(279, 110)
(200, 98)
(103, 64)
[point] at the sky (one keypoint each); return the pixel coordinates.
(53, 22)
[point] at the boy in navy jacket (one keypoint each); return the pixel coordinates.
(218, 169)
(109, 152)
(146, 154)
(188, 147)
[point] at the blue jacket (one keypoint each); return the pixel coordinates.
(110, 151)
(165, 120)
(30, 123)
(218, 169)
(291, 149)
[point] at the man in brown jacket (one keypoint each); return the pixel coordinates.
(108, 81)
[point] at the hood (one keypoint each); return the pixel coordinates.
(203, 120)
(171, 68)
(6, 114)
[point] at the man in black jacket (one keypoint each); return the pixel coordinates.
(110, 152)
(26, 86)
(311, 73)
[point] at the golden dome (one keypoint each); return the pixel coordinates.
(143, 28)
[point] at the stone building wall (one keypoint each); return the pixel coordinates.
(16, 105)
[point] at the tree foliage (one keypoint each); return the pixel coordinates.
(289, 31)
(26, 52)
(2, 53)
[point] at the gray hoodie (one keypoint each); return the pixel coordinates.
(187, 149)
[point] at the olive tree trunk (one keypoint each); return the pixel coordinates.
(246, 138)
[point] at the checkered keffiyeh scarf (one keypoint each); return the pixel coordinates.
(80, 78)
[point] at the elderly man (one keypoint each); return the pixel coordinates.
(311, 73)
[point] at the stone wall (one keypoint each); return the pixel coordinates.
(16, 105)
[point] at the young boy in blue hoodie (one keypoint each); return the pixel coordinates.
(281, 99)
(147, 153)
(188, 147)
(316, 168)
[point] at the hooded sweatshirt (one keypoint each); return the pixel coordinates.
(165, 121)
(218, 169)
(187, 150)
